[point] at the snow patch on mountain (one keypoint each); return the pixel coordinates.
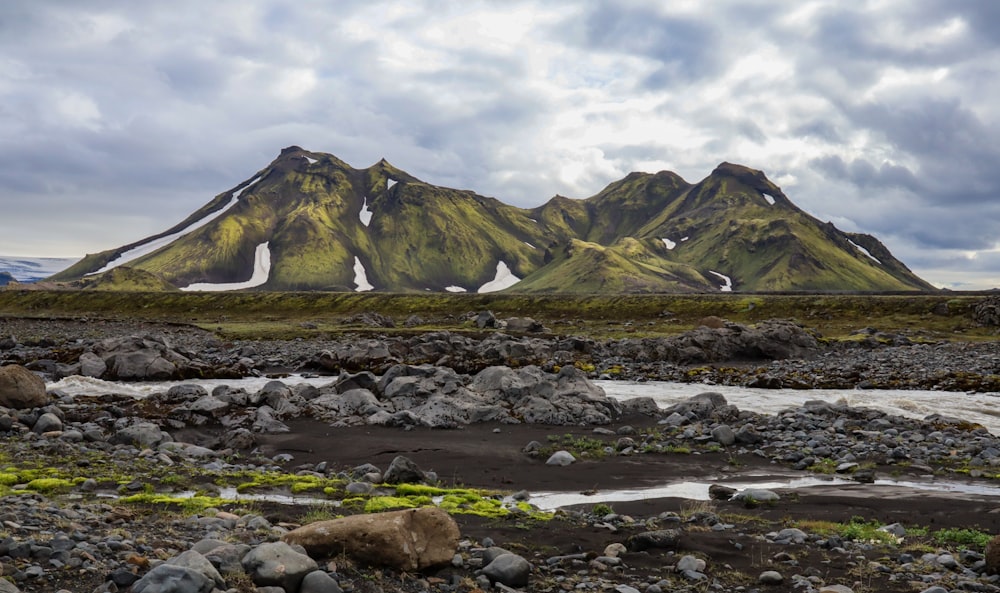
(455, 289)
(389, 183)
(361, 277)
(769, 198)
(261, 271)
(670, 244)
(365, 215)
(865, 251)
(147, 248)
(504, 279)
(727, 281)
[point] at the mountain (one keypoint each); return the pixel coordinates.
(309, 221)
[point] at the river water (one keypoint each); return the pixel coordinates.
(980, 408)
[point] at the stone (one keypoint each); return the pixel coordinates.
(659, 539)
(770, 577)
(720, 492)
(278, 564)
(562, 458)
(195, 561)
(8, 587)
(835, 589)
(169, 578)
(724, 435)
(756, 496)
(508, 569)
(92, 365)
(47, 422)
(993, 555)
(142, 435)
(21, 389)
(411, 539)
(403, 470)
(318, 581)
(691, 563)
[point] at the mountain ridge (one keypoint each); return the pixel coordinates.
(328, 226)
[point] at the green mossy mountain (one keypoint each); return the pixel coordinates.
(322, 220)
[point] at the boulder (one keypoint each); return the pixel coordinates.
(403, 470)
(508, 569)
(92, 365)
(21, 389)
(142, 435)
(412, 539)
(664, 539)
(698, 406)
(278, 564)
(993, 555)
(170, 578)
(987, 312)
(141, 358)
(195, 561)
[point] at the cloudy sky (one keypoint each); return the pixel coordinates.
(118, 119)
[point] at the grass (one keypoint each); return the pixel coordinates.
(967, 538)
(280, 315)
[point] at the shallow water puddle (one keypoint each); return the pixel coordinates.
(699, 490)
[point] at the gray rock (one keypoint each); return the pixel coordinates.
(508, 569)
(756, 495)
(700, 406)
(562, 458)
(403, 470)
(47, 422)
(278, 564)
(666, 539)
(724, 435)
(195, 561)
(169, 578)
(92, 365)
(770, 577)
(142, 435)
(688, 562)
(318, 581)
(186, 392)
(835, 589)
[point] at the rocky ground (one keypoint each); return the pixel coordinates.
(92, 486)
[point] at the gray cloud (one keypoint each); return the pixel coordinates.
(119, 119)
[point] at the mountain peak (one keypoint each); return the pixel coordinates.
(752, 178)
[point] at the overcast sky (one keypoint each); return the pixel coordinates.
(118, 119)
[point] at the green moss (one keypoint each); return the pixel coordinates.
(49, 485)
(192, 504)
(8, 479)
(377, 504)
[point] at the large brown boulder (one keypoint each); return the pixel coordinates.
(993, 556)
(412, 539)
(21, 389)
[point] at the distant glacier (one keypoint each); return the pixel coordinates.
(33, 269)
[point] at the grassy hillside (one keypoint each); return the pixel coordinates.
(644, 233)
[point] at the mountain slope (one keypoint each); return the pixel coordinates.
(309, 221)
